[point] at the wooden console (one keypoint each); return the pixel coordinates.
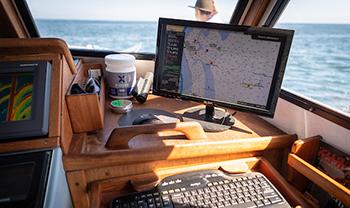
(63, 69)
(102, 192)
(96, 172)
(89, 163)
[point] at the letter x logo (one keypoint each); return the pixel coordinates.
(122, 79)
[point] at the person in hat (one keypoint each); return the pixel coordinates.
(205, 11)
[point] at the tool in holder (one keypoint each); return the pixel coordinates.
(143, 87)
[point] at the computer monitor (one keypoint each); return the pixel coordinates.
(24, 99)
(232, 66)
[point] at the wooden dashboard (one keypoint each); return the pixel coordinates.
(96, 173)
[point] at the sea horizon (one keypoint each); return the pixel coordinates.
(153, 21)
(320, 51)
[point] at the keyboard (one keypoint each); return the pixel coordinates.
(206, 189)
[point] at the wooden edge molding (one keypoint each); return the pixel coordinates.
(102, 191)
(319, 178)
(59, 76)
(78, 187)
(281, 184)
(181, 151)
(39, 143)
(95, 199)
(37, 45)
(307, 150)
(303, 146)
(13, 23)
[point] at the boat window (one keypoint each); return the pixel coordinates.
(129, 26)
(319, 61)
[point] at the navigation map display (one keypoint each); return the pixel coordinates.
(240, 68)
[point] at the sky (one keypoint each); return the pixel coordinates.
(297, 11)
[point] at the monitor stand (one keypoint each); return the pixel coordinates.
(211, 119)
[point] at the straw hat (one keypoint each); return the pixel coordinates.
(204, 5)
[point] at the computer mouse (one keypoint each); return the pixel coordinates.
(146, 119)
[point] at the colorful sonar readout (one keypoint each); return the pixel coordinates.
(16, 92)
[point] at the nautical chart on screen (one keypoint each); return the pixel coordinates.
(227, 66)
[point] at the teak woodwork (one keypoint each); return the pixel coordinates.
(37, 46)
(101, 192)
(307, 150)
(247, 125)
(121, 136)
(255, 12)
(56, 52)
(88, 157)
(319, 178)
(86, 110)
(92, 168)
(233, 148)
(12, 25)
(32, 144)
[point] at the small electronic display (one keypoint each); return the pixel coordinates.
(24, 99)
(234, 66)
(23, 178)
(15, 181)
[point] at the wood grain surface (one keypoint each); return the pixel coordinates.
(121, 136)
(319, 178)
(102, 192)
(246, 126)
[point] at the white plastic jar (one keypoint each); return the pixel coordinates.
(120, 75)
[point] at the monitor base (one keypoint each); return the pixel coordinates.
(210, 118)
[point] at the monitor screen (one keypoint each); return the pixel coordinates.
(16, 92)
(15, 181)
(23, 178)
(24, 99)
(234, 66)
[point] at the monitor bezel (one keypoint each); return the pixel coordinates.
(284, 36)
(37, 125)
(40, 161)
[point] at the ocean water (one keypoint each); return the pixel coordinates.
(108, 35)
(318, 65)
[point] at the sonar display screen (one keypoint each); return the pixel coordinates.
(16, 93)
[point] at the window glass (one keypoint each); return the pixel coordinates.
(319, 61)
(115, 25)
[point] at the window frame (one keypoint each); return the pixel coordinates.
(27, 18)
(319, 109)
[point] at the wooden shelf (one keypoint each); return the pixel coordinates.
(246, 126)
(89, 160)
(250, 134)
(229, 148)
(320, 179)
(30, 144)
